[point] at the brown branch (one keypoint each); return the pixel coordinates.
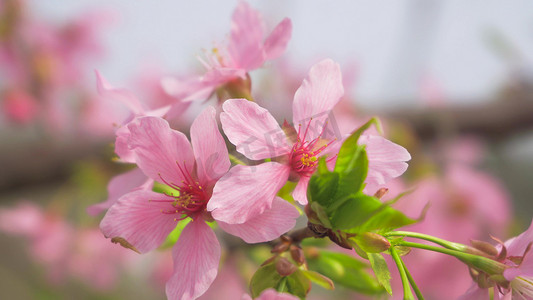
(496, 119)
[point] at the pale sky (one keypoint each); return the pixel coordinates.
(394, 43)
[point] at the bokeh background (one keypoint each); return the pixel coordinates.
(452, 81)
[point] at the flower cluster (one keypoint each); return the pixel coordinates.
(178, 180)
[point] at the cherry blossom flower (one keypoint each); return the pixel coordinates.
(516, 254)
(142, 219)
(258, 136)
(247, 50)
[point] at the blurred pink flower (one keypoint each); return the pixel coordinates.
(145, 218)
(19, 106)
(64, 250)
(247, 50)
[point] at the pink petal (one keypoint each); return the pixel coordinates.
(212, 160)
(520, 243)
(118, 186)
(122, 95)
(253, 130)
(276, 43)
(246, 39)
(159, 149)
(525, 269)
(140, 221)
(188, 89)
(246, 191)
(267, 226)
(475, 293)
(196, 256)
(317, 96)
(300, 191)
(386, 160)
(271, 294)
(122, 149)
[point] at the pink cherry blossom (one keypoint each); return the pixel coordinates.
(144, 218)
(519, 272)
(247, 50)
(257, 135)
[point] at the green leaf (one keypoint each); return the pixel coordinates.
(321, 214)
(322, 166)
(345, 158)
(345, 270)
(267, 277)
(319, 279)
(352, 179)
(322, 188)
(362, 213)
(354, 211)
(379, 265)
(298, 284)
(264, 278)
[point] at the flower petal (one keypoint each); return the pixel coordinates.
(386, 160)
(196, 256)
(121, 145)
(118, 186)
(475, 292)
(300, 191)
(246, 38)
(272, 294)
(253, 130)
(276, 43)
(267, 226)
(246, 191)
(137, 217)
(106, 90)
(317, 96)
(520, 243)
(158, 150)
(212, 160)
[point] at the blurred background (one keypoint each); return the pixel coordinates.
(451, 80)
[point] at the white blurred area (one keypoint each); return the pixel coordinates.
(468, 49)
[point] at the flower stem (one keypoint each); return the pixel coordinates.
(407, 294)
(436, 240)
(481, 263)
(412, 282)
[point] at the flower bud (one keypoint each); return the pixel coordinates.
(372, 242)
(297, 255)
(381, 192)
(484, 247)
(285, 267)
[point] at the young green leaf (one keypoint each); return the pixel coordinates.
(379, 265)
(298, 284)
(264, 278)
(319, 279)
(345, 270)
(322, 188)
